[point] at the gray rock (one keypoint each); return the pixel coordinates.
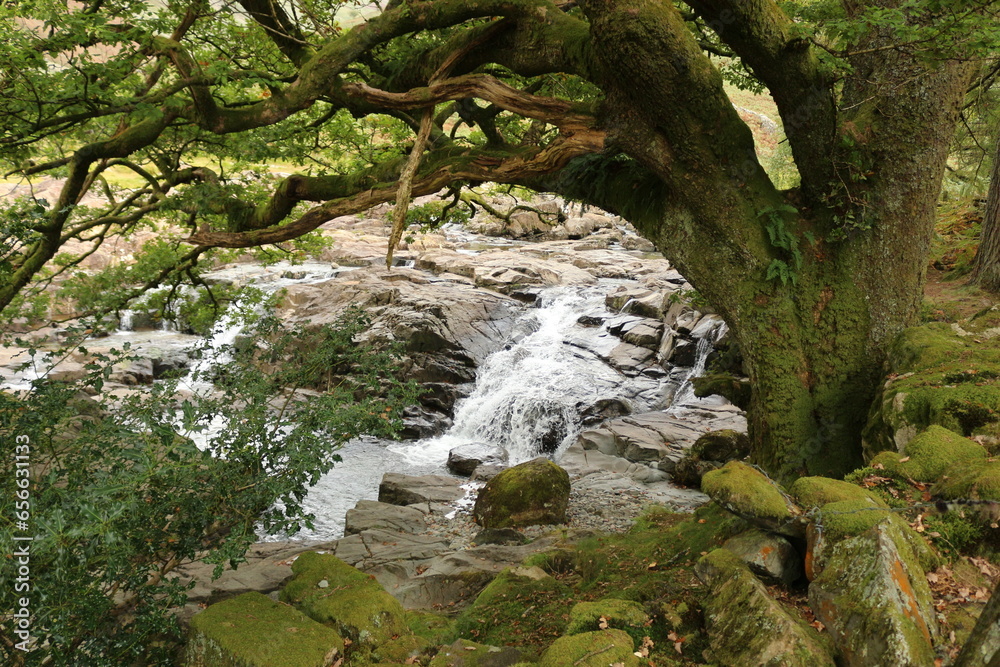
(499, 536)
(370, 514)
(464, 459)
(485, 473)
(398, 489)
(770, 557)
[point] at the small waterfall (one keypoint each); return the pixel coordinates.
(126, 320)
(707, 338)
(528, 396)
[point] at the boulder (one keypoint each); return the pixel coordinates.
(874, 600)
(746, 626)
(591, 649)
(626, 615)
(721, 446)
(330, 591)
(771, 557)
(371, 514)
(399, 489)
(751, 495)
(403, 650)
(464, 459)
(535, 492)
(976, 479)
(252, 630)
(499, 536)
(926, 457)
(690, 470)
(819, 491)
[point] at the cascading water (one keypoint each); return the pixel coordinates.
(707, 338)
(528, 396)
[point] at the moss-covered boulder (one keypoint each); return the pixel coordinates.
(874, 600)
(751, 495)
(850, 518)
(465, 653)
(819, 491)
(977, 479)
(532, 493)
(926, 457)
(332, 592)
(939, 376)
(721, 446)
(591, 649)
(624, 615)
(690, 470)
(746, 626)
(252, 630)
(401, 650)
(736, 389)
(771, 557)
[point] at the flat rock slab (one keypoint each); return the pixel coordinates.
(399, 489)
(371, 514)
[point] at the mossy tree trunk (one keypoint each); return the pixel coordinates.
(986, 264)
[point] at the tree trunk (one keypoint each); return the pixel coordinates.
(986, 264)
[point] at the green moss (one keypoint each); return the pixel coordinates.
(819, 491)
(465, 653)
(532, 493)
(591, 649)
(252, 630)
(850, 518)
(729, 386)
(516, 610)
(721, 446)
(401, 649)
(929, 454)
(621, 614)
(435, 628)
(747, 492)
(332, 592)
(975, 479)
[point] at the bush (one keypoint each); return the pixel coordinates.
(121, 495)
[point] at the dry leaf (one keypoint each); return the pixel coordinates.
(904, 459)
(819, 626)
(932, 578)
(652, 565)
(602, 623)
(672, 636)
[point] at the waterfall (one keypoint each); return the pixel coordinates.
(528, 396)
(125, 321)
(707, 337)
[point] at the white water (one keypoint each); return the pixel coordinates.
(684, 396)
(528, 396)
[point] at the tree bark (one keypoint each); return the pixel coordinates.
(986, 263)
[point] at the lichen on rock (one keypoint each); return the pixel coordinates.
(532, 493)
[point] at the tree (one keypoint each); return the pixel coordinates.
(620, 103)
(986, 264)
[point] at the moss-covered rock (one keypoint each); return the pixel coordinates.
(874, 600)
(514, 607)
(690, 469)
(465, 653)
(535, 492)
(926, 457)
(771, 557)
(332, 592)
(252, 630)
(977, 479)
(748, 493)
(624, 615)
(938, 377)
(746, 626)
(401, 649)
(591, 649)
(721, 446)
(819, 491)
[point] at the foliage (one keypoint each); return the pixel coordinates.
(126, 488)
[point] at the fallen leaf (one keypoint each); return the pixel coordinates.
(651, 565)
(933, 578)
(904, 459)
(602, 623)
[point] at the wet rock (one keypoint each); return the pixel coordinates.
(746, 626)
(749, 494)
(484, 473)
(874, 600)
(464, 459)
(630, 359)
(591, 649)
(370, 514)
(442, 396)
(602, 410)
(419, 422)
(771, 557)
(398, 489)
(736, 390)
(684, 353)
(253, 630)
(536, 492)
(332, 592)
(722, 446)
(690, 470)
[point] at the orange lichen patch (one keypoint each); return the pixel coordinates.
(766, 551)
(912, 610)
